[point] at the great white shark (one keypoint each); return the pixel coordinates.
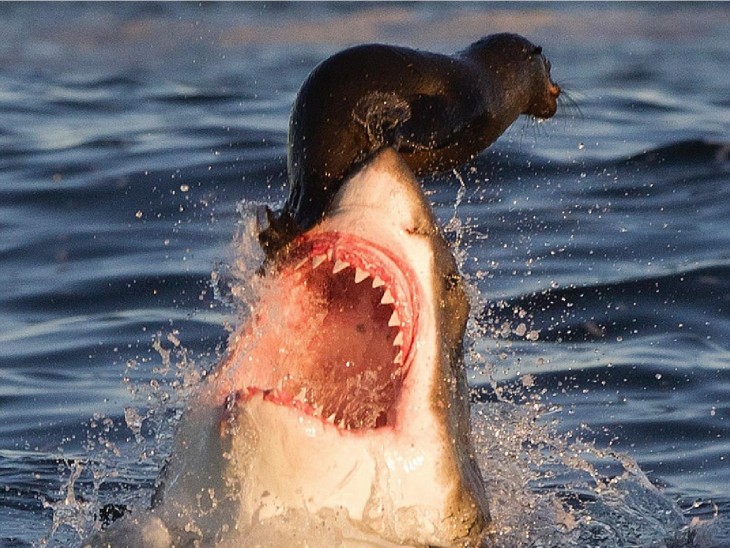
(343, 397)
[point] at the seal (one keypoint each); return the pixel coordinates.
(438, 111)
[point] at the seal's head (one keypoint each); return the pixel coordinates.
(520, 69)
(545, 92)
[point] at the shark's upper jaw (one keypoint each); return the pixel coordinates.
(351, 306)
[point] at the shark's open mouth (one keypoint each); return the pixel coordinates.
(348, 309)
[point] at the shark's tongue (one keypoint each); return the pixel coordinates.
(349, 322)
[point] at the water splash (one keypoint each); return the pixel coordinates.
(69, 511)
(123, 455)
(547, 488)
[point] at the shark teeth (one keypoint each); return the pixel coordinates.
(301, 263)
(301, 396)
(394, 319)
(398, 341)
(318, 260)
(360, 275)
(377, 282)
(398, 358)
(387, 297)
(339, 266)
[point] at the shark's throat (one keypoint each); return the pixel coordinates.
(350, 313)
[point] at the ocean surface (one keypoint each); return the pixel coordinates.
(134, 138)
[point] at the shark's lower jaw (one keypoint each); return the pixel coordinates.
(350, 312)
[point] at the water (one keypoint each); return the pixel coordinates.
(597, 243)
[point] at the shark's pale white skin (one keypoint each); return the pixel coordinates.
(341, 410)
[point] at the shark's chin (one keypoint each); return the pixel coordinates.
(360, 310)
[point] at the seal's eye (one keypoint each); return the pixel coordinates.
(537, 50)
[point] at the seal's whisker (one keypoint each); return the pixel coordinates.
(536, 126)
(569, 102)
(569, 105)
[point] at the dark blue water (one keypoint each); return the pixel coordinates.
(598, 243)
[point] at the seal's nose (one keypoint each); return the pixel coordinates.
(554, 90)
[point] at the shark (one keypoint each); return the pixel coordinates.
(342, 404)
